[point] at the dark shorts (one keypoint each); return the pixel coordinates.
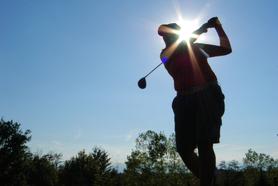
(198, 117)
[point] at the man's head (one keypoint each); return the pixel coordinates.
(169, 32)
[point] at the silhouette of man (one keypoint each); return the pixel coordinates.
(199, 104)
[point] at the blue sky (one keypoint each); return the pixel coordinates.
(69, 72)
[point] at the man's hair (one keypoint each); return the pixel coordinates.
(163, 29)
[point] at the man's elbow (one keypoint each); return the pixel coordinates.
(229, 50)
(224, 42)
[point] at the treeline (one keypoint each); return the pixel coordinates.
(153, 162)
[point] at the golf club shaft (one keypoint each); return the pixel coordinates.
(153, 70)
(199, 32)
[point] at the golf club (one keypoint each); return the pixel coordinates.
(142, 82)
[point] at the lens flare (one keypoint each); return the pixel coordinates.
(187, 29)
(185, 35)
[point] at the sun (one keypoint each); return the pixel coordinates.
(187, 29)
(185, 34)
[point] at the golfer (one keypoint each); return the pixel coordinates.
(199, 104)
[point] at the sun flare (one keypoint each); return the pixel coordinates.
(185, 34)
(187, 29)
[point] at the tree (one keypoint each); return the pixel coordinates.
(13, 153)
(259, 168)
(136, 169)
(42, 170)
(178, 174)
(155, 162)
(230, 174)
(222, 165)
(155, 146)
(259, 161)
(87, 169)
(233, 165)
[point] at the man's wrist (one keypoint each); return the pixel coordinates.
(217, 23)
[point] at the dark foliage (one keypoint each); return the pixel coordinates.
(154, 161)
(42, 170)
(87, 169)
(13, 153)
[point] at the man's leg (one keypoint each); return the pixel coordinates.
(207, 163)
(185, 129)
(191, 161)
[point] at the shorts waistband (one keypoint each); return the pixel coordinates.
(196, 89)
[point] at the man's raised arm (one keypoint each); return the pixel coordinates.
(225, 46)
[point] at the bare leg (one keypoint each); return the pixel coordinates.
(191, 161)
(207, 163)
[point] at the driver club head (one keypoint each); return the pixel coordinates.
(142, 83)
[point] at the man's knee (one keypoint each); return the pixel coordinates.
(186, 153)
(205, 150)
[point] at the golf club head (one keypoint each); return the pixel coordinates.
(142, 83)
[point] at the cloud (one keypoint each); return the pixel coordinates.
(275, 154)
(57, 144)
(77, 135)
(131, 135)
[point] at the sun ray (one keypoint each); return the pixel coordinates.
(196, 68)
(167, 53)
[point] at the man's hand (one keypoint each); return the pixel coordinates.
(198, 32)
(202, 29)
(213, 22)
